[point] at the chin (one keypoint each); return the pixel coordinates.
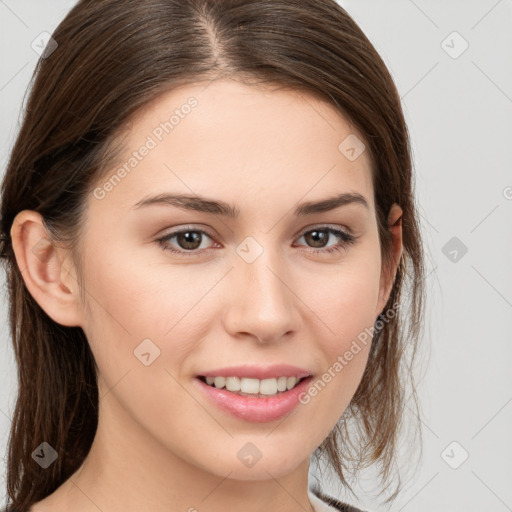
(275, 465)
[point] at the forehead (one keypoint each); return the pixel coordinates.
(225, 138)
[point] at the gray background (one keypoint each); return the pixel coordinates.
(458, 106)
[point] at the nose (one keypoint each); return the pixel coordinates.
(262, 304)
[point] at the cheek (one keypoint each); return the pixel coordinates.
(345, 301)
(138, 297)
(129, 304)
(135, 319)
(344, 308)
(133, 300)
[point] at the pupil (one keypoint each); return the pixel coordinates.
(189, 237)
(317, 236)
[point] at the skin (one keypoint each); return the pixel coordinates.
(161, 445)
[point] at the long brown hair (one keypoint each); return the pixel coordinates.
(112, 58)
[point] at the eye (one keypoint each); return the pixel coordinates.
(321, 234)
(189, 240)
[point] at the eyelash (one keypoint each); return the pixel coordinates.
(346, 240)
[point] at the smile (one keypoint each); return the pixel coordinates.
(257, 408)
(256, 387)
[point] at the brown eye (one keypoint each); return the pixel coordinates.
(188, 239)
(319, 237)
(188, 242)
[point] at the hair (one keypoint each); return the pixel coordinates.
(114, 57)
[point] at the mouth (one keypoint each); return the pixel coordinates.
(255, 406)
(252, 387)
(254, 392)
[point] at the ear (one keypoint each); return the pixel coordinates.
(388, 274)
(45, 269)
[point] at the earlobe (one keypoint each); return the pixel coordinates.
(42, 265)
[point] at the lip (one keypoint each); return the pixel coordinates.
(253, 371)
(251, 408)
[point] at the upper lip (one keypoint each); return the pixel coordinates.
(258, 372)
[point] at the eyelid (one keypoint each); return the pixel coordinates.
(320, 225)
(188, 227)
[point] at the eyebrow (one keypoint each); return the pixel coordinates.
(207, 205)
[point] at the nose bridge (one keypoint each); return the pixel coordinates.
(262, 303)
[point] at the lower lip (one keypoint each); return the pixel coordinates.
(254, 409)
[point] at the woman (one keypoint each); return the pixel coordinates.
(208, 218)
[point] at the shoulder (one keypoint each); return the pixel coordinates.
(333, 503)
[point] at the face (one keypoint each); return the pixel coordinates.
(174, 292)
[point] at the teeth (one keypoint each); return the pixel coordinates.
(219, 382)
(233, 384)
(253, 386)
